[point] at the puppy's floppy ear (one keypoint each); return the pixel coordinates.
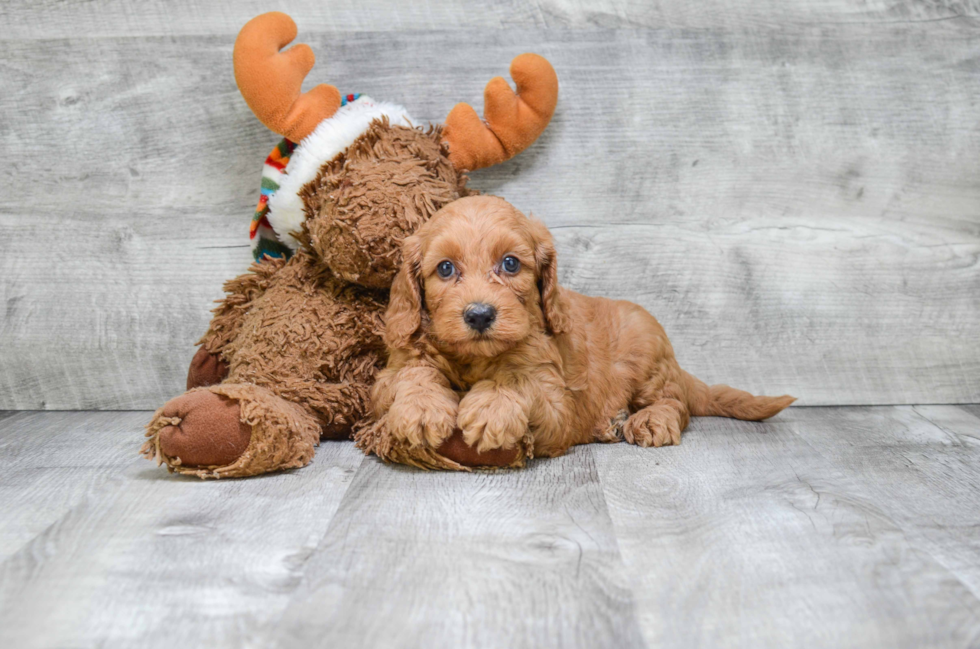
(404, 315)
(555, 315)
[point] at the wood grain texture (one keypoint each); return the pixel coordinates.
(116, 552)
(922, 464)
(798, 203)
(508, 559)
(49, 462)
(27, 19)
(747, 535)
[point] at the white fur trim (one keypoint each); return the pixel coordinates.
(331, 136)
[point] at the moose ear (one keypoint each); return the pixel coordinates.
(404, 315)
(552, 304)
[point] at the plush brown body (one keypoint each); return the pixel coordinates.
(554, 369)
(293, 349)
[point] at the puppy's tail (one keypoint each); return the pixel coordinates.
(724, 401)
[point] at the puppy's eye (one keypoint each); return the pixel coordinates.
(445, 269)
(511, 264)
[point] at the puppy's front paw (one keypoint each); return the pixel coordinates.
(492, 417)
(418, 422)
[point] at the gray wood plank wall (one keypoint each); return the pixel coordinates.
(792, 188)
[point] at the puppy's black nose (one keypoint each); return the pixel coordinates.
(479, 316)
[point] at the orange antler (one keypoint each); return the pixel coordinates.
(513, 121)
(271, 81)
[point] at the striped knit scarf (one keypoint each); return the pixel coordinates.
(265, 242)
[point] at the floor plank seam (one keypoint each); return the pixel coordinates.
(266, 629)
(635, 613)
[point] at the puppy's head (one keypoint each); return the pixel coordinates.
(477, 279)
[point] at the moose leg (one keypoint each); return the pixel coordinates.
(243, 429)
(231, 430)
(206, 369)
(295, 376)
(210, 365)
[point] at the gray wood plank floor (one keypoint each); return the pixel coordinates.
(826, 527)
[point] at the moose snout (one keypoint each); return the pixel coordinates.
(478, 316)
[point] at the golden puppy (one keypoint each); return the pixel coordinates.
(482, 337)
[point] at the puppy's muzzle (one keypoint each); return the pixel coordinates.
(478, 316)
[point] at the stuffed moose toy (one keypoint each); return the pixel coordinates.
(293, 349)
